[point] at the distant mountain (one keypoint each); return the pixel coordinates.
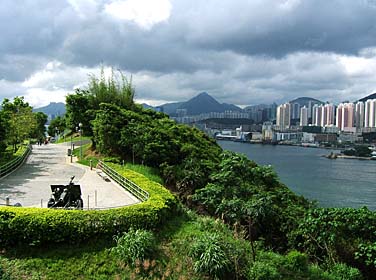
(304, 101)
(371, 96)
(53, 109)
(203, 103)
(170, 108)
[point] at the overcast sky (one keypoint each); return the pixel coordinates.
(241, 52)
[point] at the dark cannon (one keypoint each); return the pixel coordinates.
(66, 196)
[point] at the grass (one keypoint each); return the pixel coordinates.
(9, 155)
(149, 172)
(76, 137)
(95, 260)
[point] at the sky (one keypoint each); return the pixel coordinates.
(241, 52)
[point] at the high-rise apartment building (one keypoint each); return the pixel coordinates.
(283, 116)
(317, 115)
(359, 114)
(304, 116)
(328, 115)
(345, 116)
(370, 113)
(295, 110)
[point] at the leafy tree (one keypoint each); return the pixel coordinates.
(242, 193)
(117, 89)
(40, 129)
(20, 120)
(3, 144)
(57, 123)
(78, 111)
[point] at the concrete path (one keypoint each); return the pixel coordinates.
(48, 164)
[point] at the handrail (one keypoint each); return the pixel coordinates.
(127, 184)
(14, 164)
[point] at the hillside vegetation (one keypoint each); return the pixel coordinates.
(254, 228)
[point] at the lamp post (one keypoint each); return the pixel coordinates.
(71, 147)
(80, 125)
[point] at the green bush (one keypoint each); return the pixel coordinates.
(209, 255)
(341, 271)
(297, 261)
(135, 245)
(264, 271)
(37, 226)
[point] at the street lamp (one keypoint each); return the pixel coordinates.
(80, 125)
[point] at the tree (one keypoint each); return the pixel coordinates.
(57, 123)
(40, 129)
(78, 106)
(21, 121)
(2, 133)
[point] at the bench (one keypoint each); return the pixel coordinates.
(103, 175)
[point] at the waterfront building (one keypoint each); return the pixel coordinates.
(345, 116)
(370, 113)
(359, 115)
(317, 115)
(283, 116)
(267, 131)
(295, 110)
(329, 115)
(304, 116)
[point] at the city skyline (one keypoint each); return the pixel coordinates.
(272, 51)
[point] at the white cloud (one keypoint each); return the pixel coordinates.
(145, 13)
(84, 8)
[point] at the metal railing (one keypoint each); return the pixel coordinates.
(127, 184)
(14, 164)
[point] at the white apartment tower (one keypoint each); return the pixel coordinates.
(329, 113)
(370, 113)
(345, 116)
(304, 116)
(359, 114)
(283, 116)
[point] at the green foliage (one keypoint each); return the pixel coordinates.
(359, 151)
(117, 89)
(341, 271)
(241, 192)
(210, 256)
(295, 266)
(339, 235)
(39, 226)
(367, 252)
(20, 121)
(56, 125)
(185, 155)
(78, 111)
(40, 129)
(135, 245)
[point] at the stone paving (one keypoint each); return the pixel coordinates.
(49, 164)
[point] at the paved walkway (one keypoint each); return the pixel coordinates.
(48, 164)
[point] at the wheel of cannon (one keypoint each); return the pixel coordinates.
(80, 204)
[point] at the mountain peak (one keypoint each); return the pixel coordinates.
(205, 103)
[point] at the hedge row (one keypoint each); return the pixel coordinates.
(41, 226)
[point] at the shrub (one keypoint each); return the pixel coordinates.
(37, 226)
(263, 271)
(297, 261)
(341, 271)
(135, 245)
(210, 256)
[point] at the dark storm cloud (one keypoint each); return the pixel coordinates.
(240, 51)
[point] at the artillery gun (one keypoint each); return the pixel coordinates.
(66, 196)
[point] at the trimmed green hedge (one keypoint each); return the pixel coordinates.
(40, 226)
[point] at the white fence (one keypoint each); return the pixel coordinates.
(124, 182)
(14, 164)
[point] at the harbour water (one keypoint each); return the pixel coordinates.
(332, 183)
